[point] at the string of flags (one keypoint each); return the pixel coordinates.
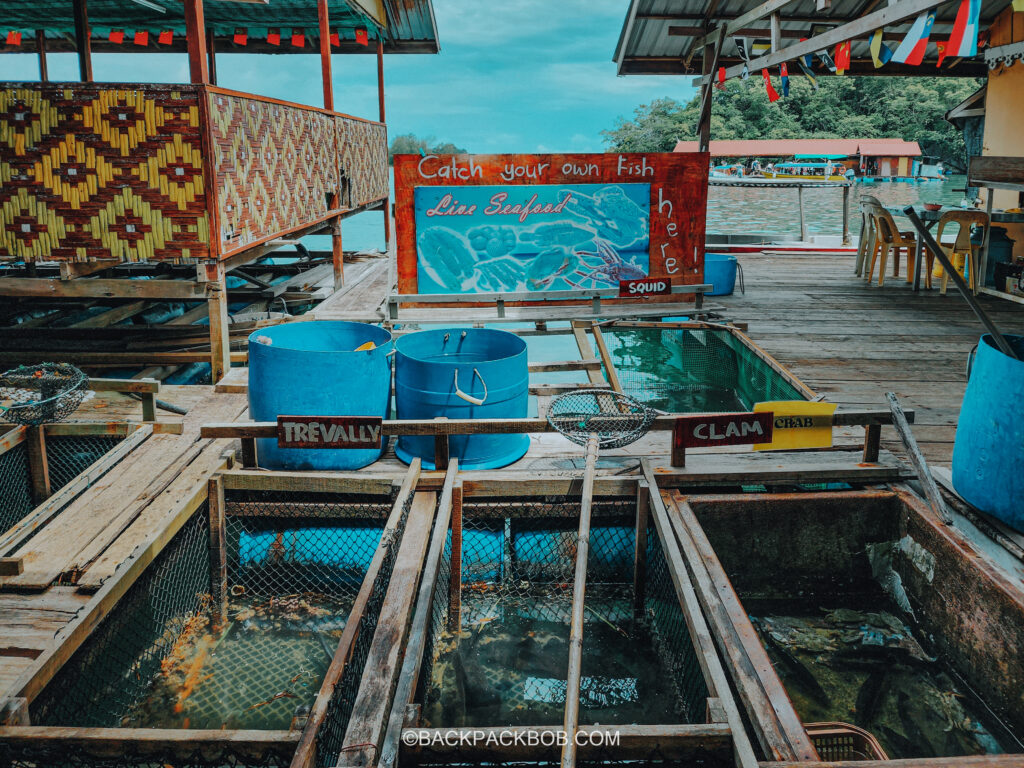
(962, 42)
(240, 37)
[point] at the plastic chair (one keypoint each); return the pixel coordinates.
(962, 245)
(889, 239)
(867, 239)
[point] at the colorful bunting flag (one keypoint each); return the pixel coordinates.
(241, 36)
(741, 46)
(773, 95)
(880, 52)
(116, 36)
(911, 50)
(14, 37)
(335, 39)
(299, 38)
(842, 57)
(274, 37)
(784, 72)
(827, 60)
(808, 72)
(963, 40)
(166, 37)
(1018, 6)
(141, 37)
(942, 53)
(362, 36)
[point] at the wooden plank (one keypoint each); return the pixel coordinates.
(12, 437)
(369, 717)
(924, 475)
(307, 482)
(218, 552)
(994, 172)
(234, 380)
(643, 506)
(606, 358)
(39, 467)
(696, 624)
(967, 761)
(767, 8)
(124, 385)
(16, 535)
(113, 428)
(579, 595)
(417, 639)
(305, 753)
(101, 288)
(151, 744)
(455, 568)
(769, 710)
(111, 316)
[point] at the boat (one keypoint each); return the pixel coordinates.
(807, 171)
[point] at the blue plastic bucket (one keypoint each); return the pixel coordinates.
(988, 454)
(462, 373)
(720, 272)
(312, 369)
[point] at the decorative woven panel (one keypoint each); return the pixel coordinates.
(364, 160)
(99, 172)
(273, 168)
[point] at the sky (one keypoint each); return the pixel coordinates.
(512, 76)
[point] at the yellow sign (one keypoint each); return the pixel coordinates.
(798, 424)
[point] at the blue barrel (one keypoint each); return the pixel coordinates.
(312, 369)
(471, 373)
(720, 272)
(988, 455)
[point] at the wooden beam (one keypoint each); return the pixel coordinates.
(755, 14)
(455, 568)
(44, 72)
(220, 339)
(195, 35)
(111, 316)
(211, 55)
(218, 552)
(81, 12)
(865, 25)
(924, 475)
(100, 288)
(776, 32)
(325, 53)
(709, 67)
(39, 467)
(382, 117)
(643, 507)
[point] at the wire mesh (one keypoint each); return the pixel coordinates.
(43, 753)
(693, 370)
(615, 418)
(67, 456)
(37, 394)
(110, 673)
(331, 735)
(15, 486)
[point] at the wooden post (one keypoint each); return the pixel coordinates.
(800, 203)
(455, 569)
(383, 119)
(710, 63)
(924, 475)
(220, 341)
(872, 439)
(440, 447)
(643, 507)
(776, 32)
(579, 596)
(337, 254)
(250, 460)
(195, 36)
(218, 553)
(846, 215)
(82, 41)
(44, 73)
(211, 55)
(39, 467)
(325, 53)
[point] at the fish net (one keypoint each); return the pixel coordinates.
(15, 486)
(615, 419)
(694, 370)
(500, 657)
(38, 394)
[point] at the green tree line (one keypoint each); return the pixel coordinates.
(842, 108)
(411, 144)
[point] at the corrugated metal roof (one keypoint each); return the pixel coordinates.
(411, 25)
(820, 147)
(645, 45)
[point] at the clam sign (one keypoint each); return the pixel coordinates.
(510, 223)
(718, 429)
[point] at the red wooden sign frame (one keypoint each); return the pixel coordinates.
(678, 203)
(721, 429)
(344, 432)
(648, 286)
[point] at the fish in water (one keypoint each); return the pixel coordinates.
(798, 673)
(870, 697)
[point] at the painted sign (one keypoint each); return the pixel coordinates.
(645, 287)
(510, 223)
(329, 431)
(797, 424)
(710, 430)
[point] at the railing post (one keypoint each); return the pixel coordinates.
(846, 214)
(218, 552)
(382, 113)
(195, 36)
(800, 202)
(325, 53)
(82, 41)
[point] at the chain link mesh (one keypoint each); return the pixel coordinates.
(331, 735)
(111, 672)
(48, 754)
(693, 370)
(67, 456)
(15, 486)
(37, 394)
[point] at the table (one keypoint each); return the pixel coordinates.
(931, 218)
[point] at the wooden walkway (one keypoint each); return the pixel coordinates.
(853, 342)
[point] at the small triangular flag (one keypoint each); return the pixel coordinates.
(299, 38)
(827, 60)
(14, 37)
(963, 40)
(720, 85)
(335, 39)
(274, 37)
(942, 53)
(116, 36)
(241, 36)
(880, 52)
(784, 72)
(141, 37)
(842, 57)
(166, 37)
(911, 50)
(1018, 5)
(808, 72)
(773, 95)
(362, 36)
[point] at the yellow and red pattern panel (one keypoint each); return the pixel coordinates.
(363, 149)
(99, 172)
(273, 165)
